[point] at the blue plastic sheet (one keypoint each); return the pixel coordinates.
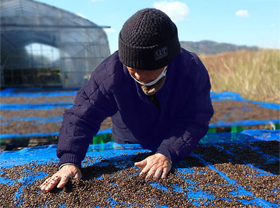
(220, 96)
(263, 134)
(34, 92)
(222, 123)
(37, 92)
(30, 135)
(37, 120)
(233, 96)
(37, 106)
(120, 155)
(28, 155)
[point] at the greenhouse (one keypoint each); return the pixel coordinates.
(44, 46)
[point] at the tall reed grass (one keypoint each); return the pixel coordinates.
(253, 74)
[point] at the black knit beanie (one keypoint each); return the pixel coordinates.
(148, 40)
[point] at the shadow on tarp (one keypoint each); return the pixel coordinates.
(212, 149)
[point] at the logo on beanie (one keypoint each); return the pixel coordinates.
(161, 53)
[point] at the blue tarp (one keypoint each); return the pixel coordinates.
(222, 96)
(249, 142)
(27, 155)
(30, 135)
(35, 92)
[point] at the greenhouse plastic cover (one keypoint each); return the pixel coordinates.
(34, 92)
(115, 152)
(81, 44)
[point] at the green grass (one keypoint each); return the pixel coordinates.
(253, 74)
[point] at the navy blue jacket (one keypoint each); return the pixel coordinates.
(174, 130)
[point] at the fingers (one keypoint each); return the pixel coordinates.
(151, 173)
(165, 172)
(50, 183)
(155, 166)
(63, 181)
(66, 178)
(144, 164)
(141, 163)
(156, 172)
(61, 178)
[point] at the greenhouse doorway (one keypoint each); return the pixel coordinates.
(35, 65)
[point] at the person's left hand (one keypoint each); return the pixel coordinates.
(155, 166)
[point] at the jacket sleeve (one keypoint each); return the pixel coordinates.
(192, 122)
(92, 105)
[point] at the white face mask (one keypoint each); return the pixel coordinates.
(163, 73)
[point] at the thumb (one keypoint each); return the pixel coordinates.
(141, 163)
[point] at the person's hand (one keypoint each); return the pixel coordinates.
(155, 166)
(61, 177)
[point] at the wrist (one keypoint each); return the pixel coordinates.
(169, 161)
(166, 158)
(65, 164)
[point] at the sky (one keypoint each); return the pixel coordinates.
(240, 22)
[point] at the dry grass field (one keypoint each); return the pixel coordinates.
(253, 74)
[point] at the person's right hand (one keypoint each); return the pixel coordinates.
(61, 177)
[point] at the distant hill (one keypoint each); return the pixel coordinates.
(211, 47)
